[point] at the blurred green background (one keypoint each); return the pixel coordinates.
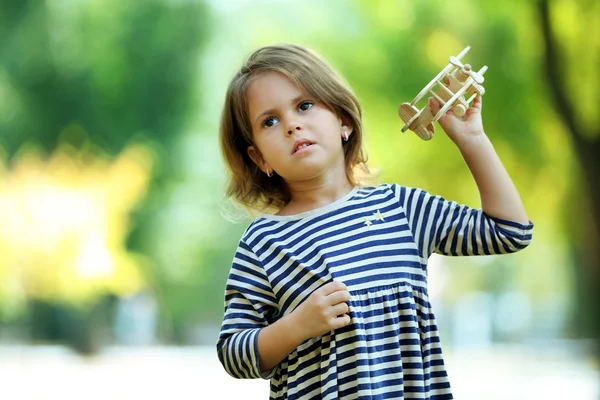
(113, 230)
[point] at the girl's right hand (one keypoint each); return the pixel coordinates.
(323, 311)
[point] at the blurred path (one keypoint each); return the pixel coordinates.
(48, 373)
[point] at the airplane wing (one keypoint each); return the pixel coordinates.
(446, 70)
(431, 84)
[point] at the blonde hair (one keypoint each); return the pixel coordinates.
(247, 184)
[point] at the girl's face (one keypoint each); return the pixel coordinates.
(295, 136)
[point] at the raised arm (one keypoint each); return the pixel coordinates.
(499, 196)
(446, 227)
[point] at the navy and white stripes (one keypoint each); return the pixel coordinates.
(377, 241)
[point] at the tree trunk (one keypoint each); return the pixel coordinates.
(586, 146)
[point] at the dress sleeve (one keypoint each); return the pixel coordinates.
(250, 305)
(448, 228)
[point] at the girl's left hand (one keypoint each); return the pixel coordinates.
(460, 129)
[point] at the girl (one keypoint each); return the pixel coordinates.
(327, 294)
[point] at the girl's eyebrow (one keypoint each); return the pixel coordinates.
(272, 110)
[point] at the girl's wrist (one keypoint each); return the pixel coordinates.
(294, 327)
(473, 142)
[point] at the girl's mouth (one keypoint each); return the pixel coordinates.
(301, 145)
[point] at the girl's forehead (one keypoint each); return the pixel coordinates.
(270, 90)
(272, 82)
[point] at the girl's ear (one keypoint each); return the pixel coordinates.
(347, 129)
(258, 159)
(345, 125)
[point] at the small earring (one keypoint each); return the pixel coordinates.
(345, 136)
(269, 173)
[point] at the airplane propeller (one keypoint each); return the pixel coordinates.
(478, 78)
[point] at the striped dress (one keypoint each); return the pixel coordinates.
(377, 241)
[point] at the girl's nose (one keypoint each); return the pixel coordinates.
(297, 128)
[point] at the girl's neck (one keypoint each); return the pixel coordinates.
(312, 195)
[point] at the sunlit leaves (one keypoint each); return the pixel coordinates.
(65, 222)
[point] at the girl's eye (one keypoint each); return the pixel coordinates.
(305, 105)
(269, 122)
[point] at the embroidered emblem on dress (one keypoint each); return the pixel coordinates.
(378, 217)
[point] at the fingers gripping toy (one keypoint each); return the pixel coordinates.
(453, 83)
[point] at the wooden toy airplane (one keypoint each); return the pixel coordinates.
(454, 82)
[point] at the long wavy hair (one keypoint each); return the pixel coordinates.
(247, 184)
